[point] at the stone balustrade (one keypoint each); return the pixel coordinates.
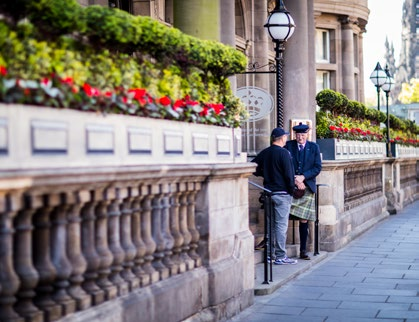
(361, 193)
(91, 231)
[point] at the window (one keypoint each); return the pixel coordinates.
(322, 46)
(322, 80)
(121, 4)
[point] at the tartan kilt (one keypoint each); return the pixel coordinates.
(305, 207)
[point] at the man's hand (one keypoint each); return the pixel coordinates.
(299, 182)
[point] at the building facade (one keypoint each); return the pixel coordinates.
(325, 51)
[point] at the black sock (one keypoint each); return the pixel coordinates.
(303, 236)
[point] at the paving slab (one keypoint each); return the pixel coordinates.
(373, 278)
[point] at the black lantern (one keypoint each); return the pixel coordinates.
(378, 78)
(280, 27)
(388, 84)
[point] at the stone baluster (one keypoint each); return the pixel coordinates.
(175, 228)
(183, 220)
(126, 238)
(156, 228)
(150, 244)
(58, 237)
(77, 200)
(138, 242)
(42, 259)
(22, 258)
(92, 257)
(114, 216)
(9, 280)
(165, 228)
(102, 247)
(193, 189)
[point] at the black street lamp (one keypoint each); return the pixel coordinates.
(280, 27)
(387, 88)
(378, 78)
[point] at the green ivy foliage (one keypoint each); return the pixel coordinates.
(109, 48)
(337, 111)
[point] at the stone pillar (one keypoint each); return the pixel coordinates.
(348, 56)
(228, 30)
(299, 65)
(260, 54)
(361, 85)
(198, 18)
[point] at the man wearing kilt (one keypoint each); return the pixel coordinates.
(307, 164)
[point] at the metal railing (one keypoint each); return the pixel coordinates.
(268, 234)
(268, 210)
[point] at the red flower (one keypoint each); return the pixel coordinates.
(108, 94)
(345, 130)
(3, 71)
(204, 111)
(217, 108)
(45, 81)
(68, 80)
(90, 91)
(332, 128)
(179, 104)
(139, 93)
(165, 101)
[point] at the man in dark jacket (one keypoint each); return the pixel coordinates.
(307, 165)
(275, 165)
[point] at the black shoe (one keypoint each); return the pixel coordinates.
(261, 245)
(303, 255)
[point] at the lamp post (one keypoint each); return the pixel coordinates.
(378, 78)
(387, 88)
(280, 27)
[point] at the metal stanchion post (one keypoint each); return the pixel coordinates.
(268, 210)
(271, 211)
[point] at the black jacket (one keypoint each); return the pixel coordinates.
(275, 165)
(311, 163)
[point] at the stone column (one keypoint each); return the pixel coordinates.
(198, 18)
(228, 30)
(261, 43)
(361, 89)
(299, 65)
(348, 72)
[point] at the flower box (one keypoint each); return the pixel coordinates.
(403, 151)
(39, 137)
(337, 149)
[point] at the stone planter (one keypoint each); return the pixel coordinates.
(403, 151)
(336, 149)
(39, 137)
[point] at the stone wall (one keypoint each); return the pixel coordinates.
(118, 218)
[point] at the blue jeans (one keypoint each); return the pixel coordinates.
(281, 210)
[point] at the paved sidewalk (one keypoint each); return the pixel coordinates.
(374, 278)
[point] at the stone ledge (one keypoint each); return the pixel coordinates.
(41, 137)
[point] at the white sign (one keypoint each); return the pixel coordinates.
(259, 102)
